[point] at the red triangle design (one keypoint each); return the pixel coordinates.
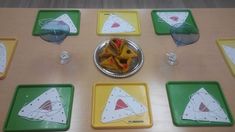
(174, 18)
(46, 106)
(120, 105)
(115, 25)
(203, 108)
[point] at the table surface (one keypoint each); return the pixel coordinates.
(36, 62)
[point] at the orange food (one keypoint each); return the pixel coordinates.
(117, 56)
(109, 63)
(107, 52)
(127, 53)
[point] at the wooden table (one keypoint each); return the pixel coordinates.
(36, 62)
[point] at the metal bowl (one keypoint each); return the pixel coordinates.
(136, 64)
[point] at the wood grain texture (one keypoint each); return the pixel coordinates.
(36, 62)
(118, 3)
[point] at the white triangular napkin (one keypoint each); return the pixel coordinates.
(66, 19)
(116, 24)
(230, 52)
(120, 105)
(46, 107)
(173, 18)
(203, 107)
(3, 58)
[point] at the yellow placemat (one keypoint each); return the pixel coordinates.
(10, 45)
(228, 44)
(137, 92)
(129, 16)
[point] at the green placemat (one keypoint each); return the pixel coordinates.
(24, 94)
(52, 14)
(163, 28)
(179, 95)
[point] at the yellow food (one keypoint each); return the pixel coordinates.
(117, 56)
(127, 53)
(110, 63)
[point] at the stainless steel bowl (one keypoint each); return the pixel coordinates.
(136, 64)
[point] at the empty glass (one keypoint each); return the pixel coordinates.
(184, 34)
(54, 31)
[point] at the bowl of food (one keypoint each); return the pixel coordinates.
(118, 57)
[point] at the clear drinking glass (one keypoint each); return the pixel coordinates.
(54, 31)
(183, 34)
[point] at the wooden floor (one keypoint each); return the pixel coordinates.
(118, 3)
